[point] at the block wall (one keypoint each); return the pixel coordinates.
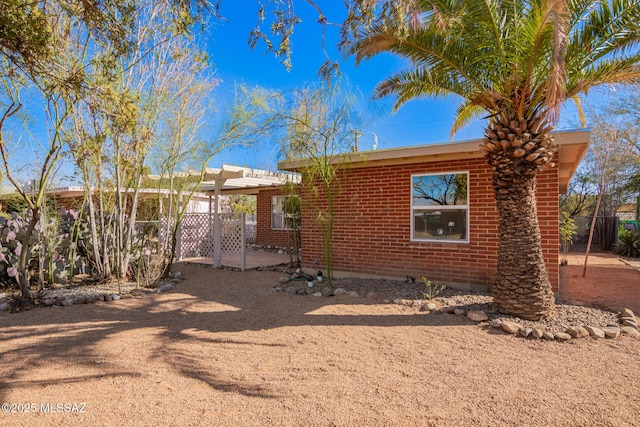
(372, 230)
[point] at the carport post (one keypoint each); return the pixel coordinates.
(217, 256)
(243, 241)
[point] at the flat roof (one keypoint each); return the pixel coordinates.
(243, 180)
(572, 146)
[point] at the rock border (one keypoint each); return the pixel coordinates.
(46, 299)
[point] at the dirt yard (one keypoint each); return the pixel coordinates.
(223, 349)
(609, 282)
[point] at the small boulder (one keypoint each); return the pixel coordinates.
(577, 332)
(632, 332)
(66, 302)
(594, 332)
(627, 313)
(316, 294)
(285, 279)
(477, 315)
(372, 295)
(630, 323)
(327, 292)
(548, 336)
(496, 323)
(277, 289)
(511, 327)
(353, 294)
(611, 331)
(291, 290)
(339, 291)
(165, 288)
(458, 312)
(537, 333)
(562, 336)
(115, 297)
(4, 306)
(136, 292)
(429, 306)
(525, 332)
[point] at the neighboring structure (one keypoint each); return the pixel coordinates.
(628, 211)
(430, 211)
(149, 207)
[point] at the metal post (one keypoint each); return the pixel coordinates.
(217, 233)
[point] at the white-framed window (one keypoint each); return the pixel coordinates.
(277, 213)
(440, 207)
(285, 212)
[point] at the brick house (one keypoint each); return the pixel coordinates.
(430, 211)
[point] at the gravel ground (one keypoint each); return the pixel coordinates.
(565, 315)
(222, 348)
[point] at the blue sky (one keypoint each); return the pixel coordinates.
(417, 122)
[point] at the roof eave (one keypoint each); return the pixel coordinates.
(572, 146)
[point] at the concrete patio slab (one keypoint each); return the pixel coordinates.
(254, 259)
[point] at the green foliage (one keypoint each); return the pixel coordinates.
(568, 229)
(242, 203)
(628, 244)
(433, 290)
(12, 203)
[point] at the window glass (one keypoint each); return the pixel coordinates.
(439, 207)
(277, 209)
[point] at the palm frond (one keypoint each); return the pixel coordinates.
(522, 56)
(611, 71)
(465, 114)
(578, 101)
(422, 83)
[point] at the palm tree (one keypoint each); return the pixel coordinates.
(514, 62)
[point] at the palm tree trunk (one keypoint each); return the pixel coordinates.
(517, 152)
(521, 285)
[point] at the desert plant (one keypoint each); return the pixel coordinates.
(628, 244)
(433, 290)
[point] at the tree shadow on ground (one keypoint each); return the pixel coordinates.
(206, 309)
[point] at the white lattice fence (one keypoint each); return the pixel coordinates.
(231, 232)
(195, 236)
(196, 239)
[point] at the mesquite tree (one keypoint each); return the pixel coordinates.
(319, 124)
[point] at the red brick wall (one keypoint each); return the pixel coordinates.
(264, 234)
(372, 229)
